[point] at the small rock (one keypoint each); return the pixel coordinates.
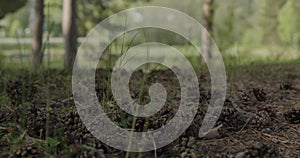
(240, 155)
(191, 141)
(182, 149)
(194, 155)
(184, 154)
(34, 151)
(258, 145)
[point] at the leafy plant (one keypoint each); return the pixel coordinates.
(52, 144)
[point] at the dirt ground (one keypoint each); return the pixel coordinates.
(260, 118)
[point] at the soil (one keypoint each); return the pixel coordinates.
(260, 117)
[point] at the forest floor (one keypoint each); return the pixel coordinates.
(260, 118)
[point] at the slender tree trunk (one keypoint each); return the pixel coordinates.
(37, 41)
(69, 28)
(208, 13)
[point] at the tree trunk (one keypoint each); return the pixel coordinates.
(69, 29)
(37, 41)
(208, 13)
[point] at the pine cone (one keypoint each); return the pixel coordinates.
(293, 116)
(187, 147)
(26, 149)
(287, 85)
(14, 92)
(260, 94)
(75, 130)
(259, 149)
(231, 119)
(6, 115)
(36, 122)
(260, 120)
(21, 89)
(246, 97)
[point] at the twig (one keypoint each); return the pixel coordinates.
(247, 122)
(154, 144)
(57, 104)
(243, 112)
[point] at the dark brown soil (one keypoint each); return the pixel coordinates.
(260, 118)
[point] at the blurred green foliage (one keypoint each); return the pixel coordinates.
(289, 22)
(247, 24)
(8, 6)
(92, 12)
(18, 22)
